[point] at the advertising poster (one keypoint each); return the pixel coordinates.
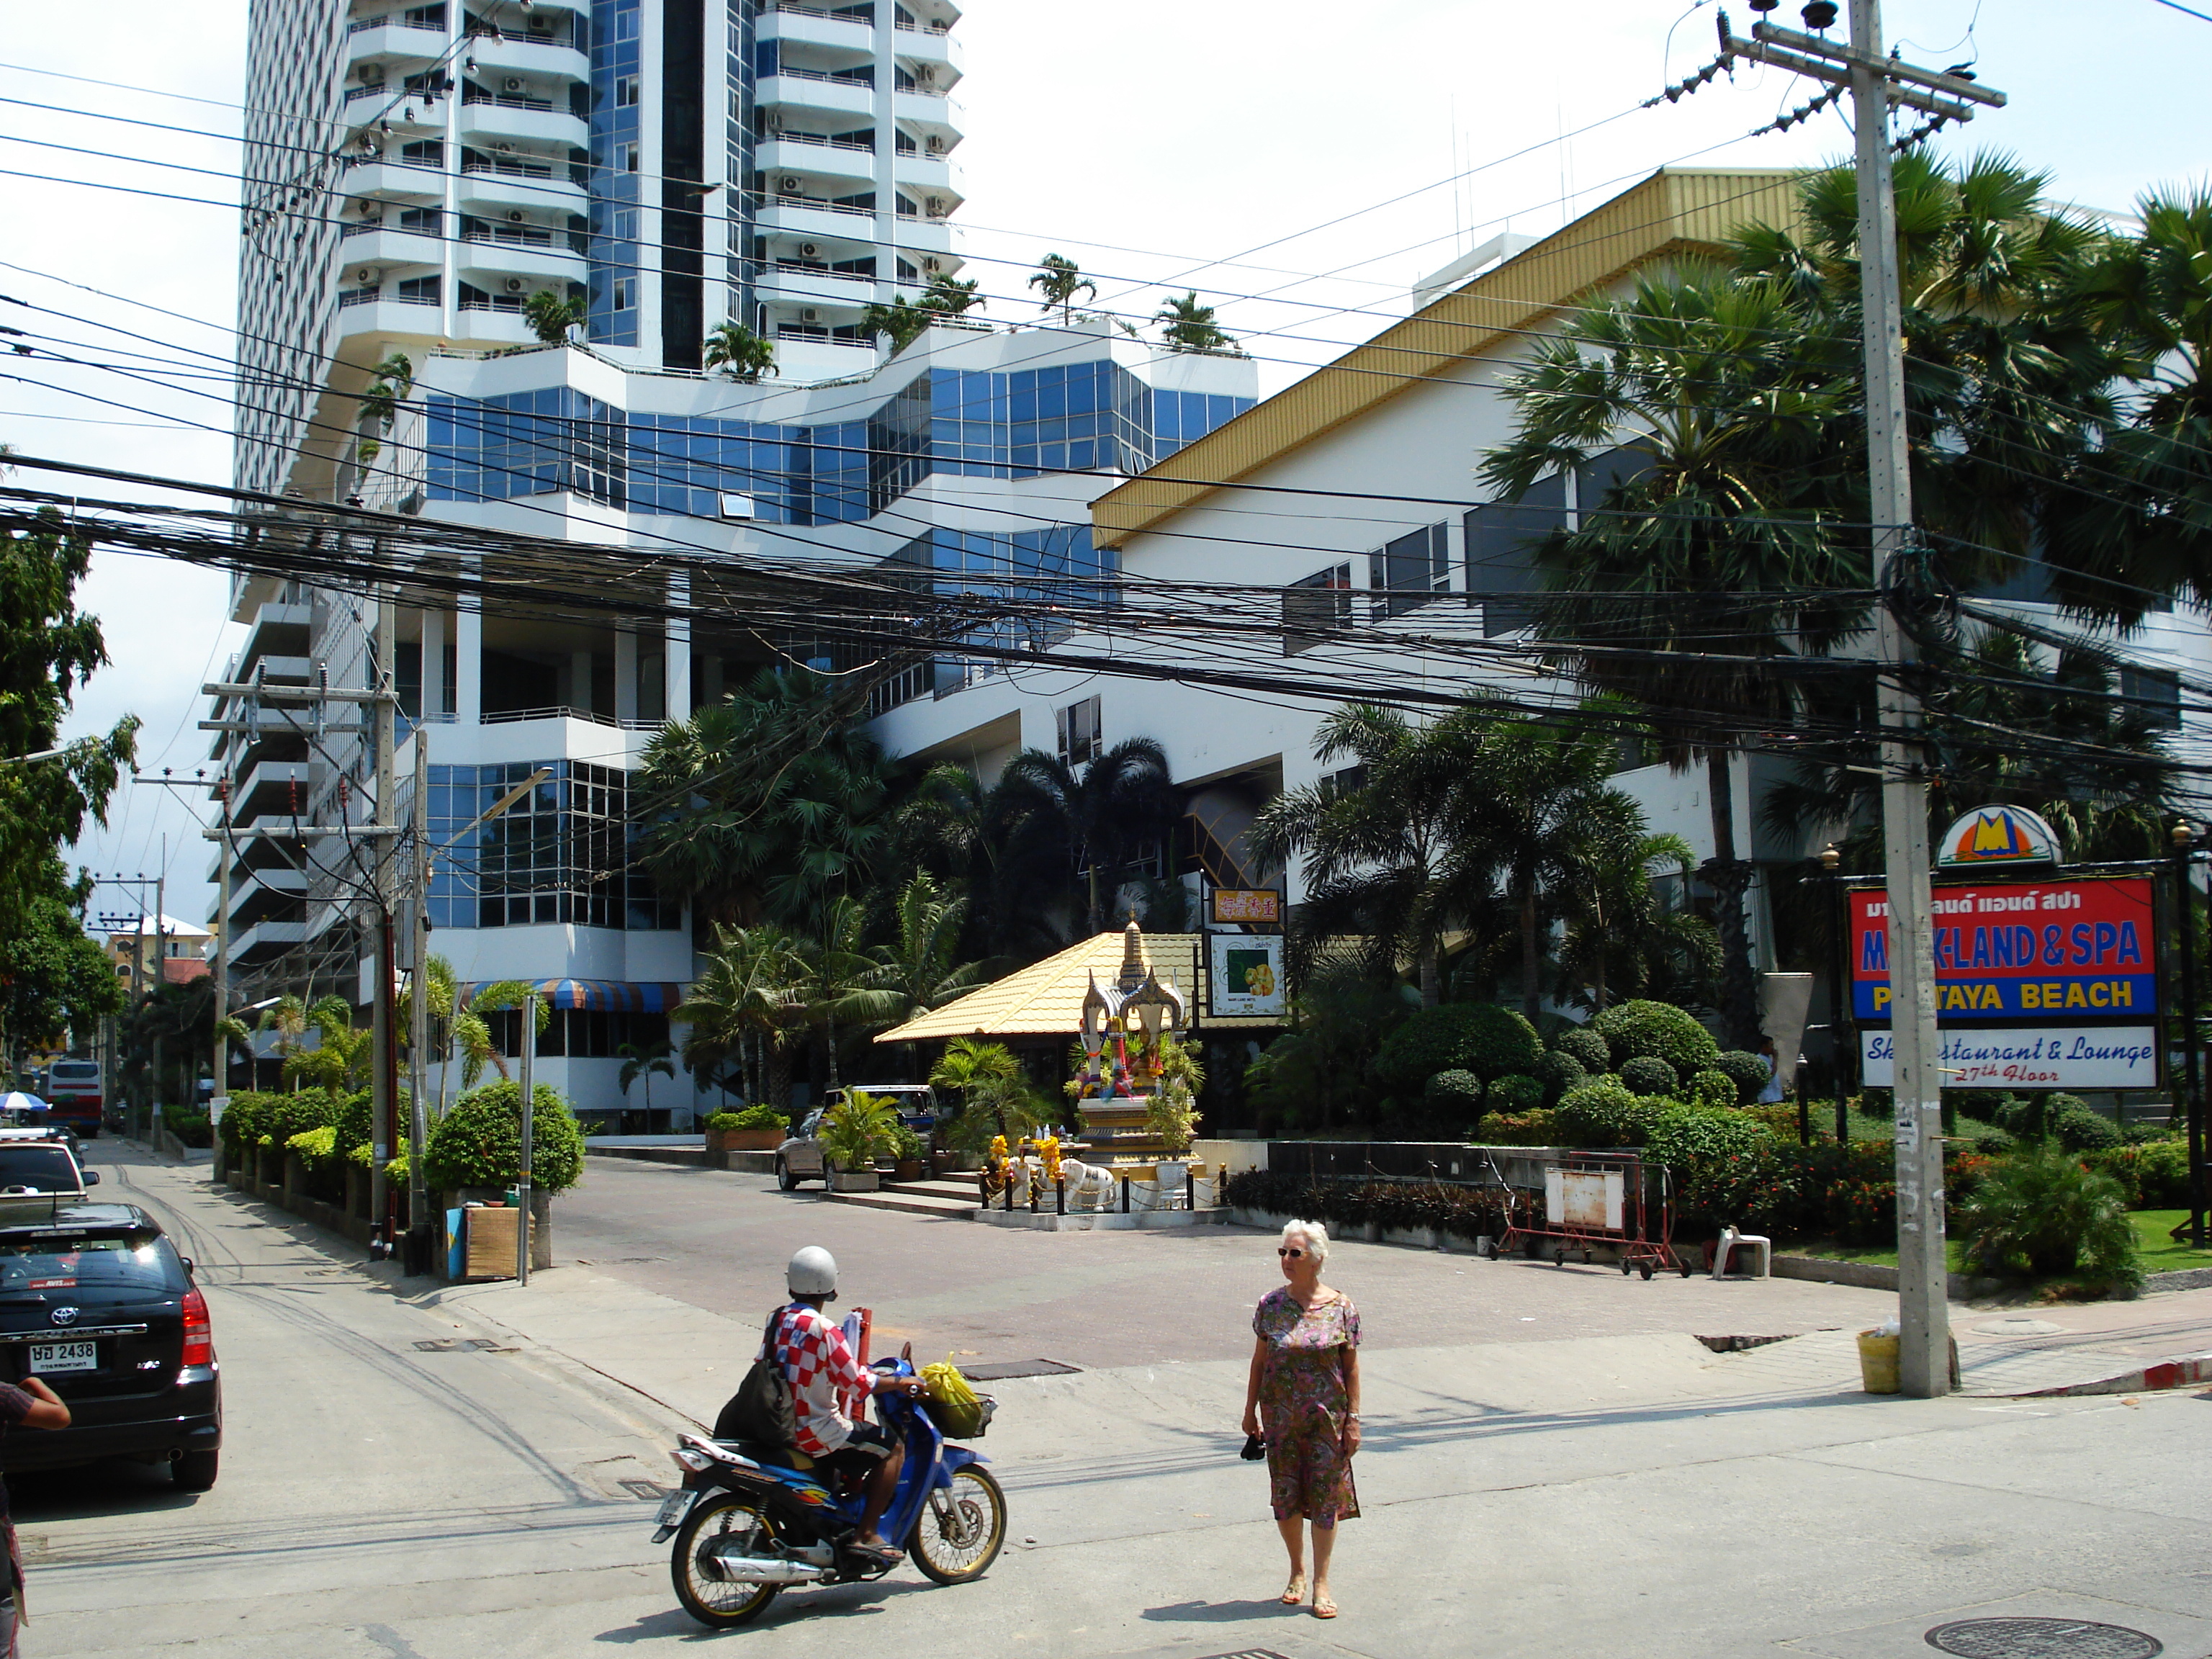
(1245, 975)
(2074, 950)
(2041, 1057)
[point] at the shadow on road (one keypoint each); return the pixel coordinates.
(831, 1601)
(1219, 1612)
(94, 1489)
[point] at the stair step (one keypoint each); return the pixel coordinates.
(909, 1203)
(939, 1189)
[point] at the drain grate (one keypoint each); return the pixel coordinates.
(1248, 1653)
(649, 1490)
(2042, 1639)
(457, 1345)
(1008, 1368)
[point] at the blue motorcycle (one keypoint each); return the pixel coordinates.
(751, 1518)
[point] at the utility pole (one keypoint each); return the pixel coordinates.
(1877, 82)
(418, 1024)
(383, 1206)
(221, 1059)
(522, 1194)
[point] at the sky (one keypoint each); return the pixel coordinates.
(1299, 164)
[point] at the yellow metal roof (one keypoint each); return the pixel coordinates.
(1676, 210)
(1046, 998)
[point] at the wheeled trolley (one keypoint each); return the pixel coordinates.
(1588, 1198)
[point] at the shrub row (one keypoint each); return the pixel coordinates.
(1346, 1207)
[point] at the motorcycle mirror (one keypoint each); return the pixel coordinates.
(907, 1354)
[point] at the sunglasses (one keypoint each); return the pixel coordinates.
(1293, 1255)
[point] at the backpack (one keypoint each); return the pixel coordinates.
(762, 1409)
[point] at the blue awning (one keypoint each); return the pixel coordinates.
(609, 995)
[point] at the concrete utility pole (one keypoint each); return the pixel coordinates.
(221, 1074)
(522, 1176)
(418, 1024)
(384, 1025)
(1876, 83)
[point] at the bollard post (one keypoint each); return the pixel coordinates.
(1010, 1194)
(1190, 1186)
(1059, 1193)
(1037, 1190)
(1125, 1194)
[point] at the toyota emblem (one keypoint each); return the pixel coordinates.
(64, 1316)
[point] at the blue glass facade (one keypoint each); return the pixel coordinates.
(1080, 415)
(562, 854)
(737, 177)
(617, 162)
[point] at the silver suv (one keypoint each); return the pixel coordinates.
(800, 1157)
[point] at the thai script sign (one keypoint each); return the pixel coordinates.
(2040, 1057)
(1251, 906)
(2083, 949)
(1991, 837)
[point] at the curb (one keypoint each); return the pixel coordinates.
(2146, 1379)
(1963, 1287)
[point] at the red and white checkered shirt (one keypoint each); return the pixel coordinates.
(829, 1386)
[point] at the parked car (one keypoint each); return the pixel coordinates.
(39, 1164)
(800, 1157)
(95, 1302)
(74, 1095)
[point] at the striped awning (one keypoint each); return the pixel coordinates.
(609, 995)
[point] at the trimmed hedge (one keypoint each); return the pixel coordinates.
(1454, 1095)
(1537, 1128)
(1345, 1206)
(1648, 1074)
(751, 1117)
(1514, 1093)
(1746, 1070)
(1659, 1029)
(1585, 1048)
(479, 1142)
(1715, 1089)
(1559, 1071)
(1479, 1037)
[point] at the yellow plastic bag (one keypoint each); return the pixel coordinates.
(958, 1411)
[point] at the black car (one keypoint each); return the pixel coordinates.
(96, 1302)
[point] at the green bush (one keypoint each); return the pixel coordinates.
(1746, 1070)
(1559, 1071)
(1345, 1206)
(1479, 1037)
(905, 1143)
(295, 1113)
(245, 1122)
(1537, 1128)
(2040, 1211)
(2153, 1174)
(1716, 1089)
(1606, 1113)
(857, 1131)
(2069, 1121)
(479, 1142)
(190, 1126)
(1515, 1093)
(1659, 1029)
(1585, 1048)
(751, 1117)
(1456, 1095)
(1648, 1074)
(316, 1147)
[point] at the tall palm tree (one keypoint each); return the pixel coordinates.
(840, 989)
(1629, 934)
(1067, 838)
(739, 353)
(951, 297)
(550, 315)
(288, 1017)
(746, 1002)
(919, 967)
(902, 321)
(472, 1031)
(1691, 585)
(1062, 280)
(1380, 849)
(1190, 327)
(642, 1060)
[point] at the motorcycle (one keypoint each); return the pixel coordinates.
(751, 1518)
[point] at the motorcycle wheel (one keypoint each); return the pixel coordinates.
(958, 1535)
(713, 1603)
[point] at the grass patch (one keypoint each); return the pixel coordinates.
(2161, 1255)
(1874, 1255)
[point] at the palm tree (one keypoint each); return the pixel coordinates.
(1189, 326)
(394, 378)
(642, 1060)
(1732, 401)
(436, 982)
(902, 319)
(550, 317)
(1629, 934)
(472, 1031)
(1061, 281)
(839, 988)
(739, 353)
(993, 1094)
(339, 1052)
(288, 1017)
(919, 966)
(951, 297)
(1380, 850)
(746, 1002)
(1066, 839)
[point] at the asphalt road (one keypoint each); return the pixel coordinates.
(719, 1241)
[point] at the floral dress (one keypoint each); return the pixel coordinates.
(1303, 1405)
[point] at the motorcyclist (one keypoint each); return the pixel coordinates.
(830, 1391)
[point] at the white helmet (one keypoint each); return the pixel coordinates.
(812, 1272)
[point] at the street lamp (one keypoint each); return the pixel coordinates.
(1839, 967)
(2184, 843)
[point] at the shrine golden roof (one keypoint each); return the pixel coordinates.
(1046, 998)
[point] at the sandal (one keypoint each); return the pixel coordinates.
(1323, 1607)
(1295, 1591)
(876, 1555)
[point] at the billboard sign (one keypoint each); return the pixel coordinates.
(2013, 952)
(1250, 907)
(1245, 975)
(2030, 1057)
(1995, 838)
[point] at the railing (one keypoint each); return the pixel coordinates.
(923, 28)
(504, 716)
(817, 332)
(505, 99)
(822, 139)
(392, 21)
(509, 169)
(513, 302)
(904, 687)
(792, 268)
(510, 236)
(920, 90)
(861, 77)
(364, 227)
(867, 21)
(812, 203)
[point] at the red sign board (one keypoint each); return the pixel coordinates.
(2011, 952)
(1251, 906)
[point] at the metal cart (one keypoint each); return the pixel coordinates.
(1588, 1198)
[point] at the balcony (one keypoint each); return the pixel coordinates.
(796, 153)
(364, 244)
(274, 789)
(505, 54)
(802, 215)
(494, 321)
(831, 94)
(278, 633)
(933, 43)
(393, 180)
(274, 893)
(488, 118)
(786, 283)
(266, 940)
(374, 312)
(489, 256)
(497, 183)
(394, 114)
(815, 26)
(392, 40)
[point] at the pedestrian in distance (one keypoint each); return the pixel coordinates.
(31, 1405)
(1770, 1094)
(1302, 1399)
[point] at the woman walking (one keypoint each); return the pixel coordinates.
(1303, 1396)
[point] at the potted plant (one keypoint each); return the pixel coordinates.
(907, 1153)
(855, 1133)
(754, 1129)
(1171, 1115)
(476, 1153)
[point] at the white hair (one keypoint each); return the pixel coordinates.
(1315, 1236)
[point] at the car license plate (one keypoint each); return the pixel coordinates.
(672, 1507)
(64, 1357)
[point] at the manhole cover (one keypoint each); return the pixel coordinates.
(650, 1491)
(1006, 1367)
(2042, 1639)
(1248, 1653)
(2018, 1328)
(439, 1344)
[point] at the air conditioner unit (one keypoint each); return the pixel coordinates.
(927, 74)
(502, 149)
(936, 145)
(788, 185)
(515, 285)
(937, 206)
(512, 83)
(514, 216)
(809, 250)
(932, 264)
(365, 275)
(372, 75)
(810, 315)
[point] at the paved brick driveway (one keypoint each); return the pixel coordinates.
(719, 1242)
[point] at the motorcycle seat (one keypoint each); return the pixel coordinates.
(783, 1457)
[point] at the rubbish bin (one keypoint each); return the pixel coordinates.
(1878, 1362)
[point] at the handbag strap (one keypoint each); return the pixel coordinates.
(768, 1334)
